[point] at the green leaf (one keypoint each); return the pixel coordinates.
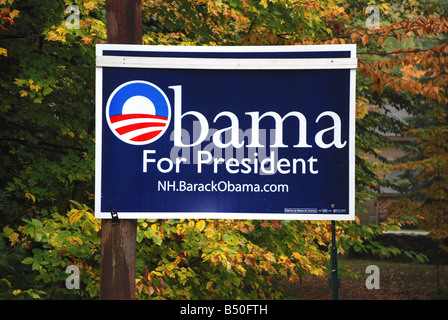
(422, 258)
(77, 204)
(230, 239)
(28, 260)
(37, 223)
(157, 240)
(38, 236)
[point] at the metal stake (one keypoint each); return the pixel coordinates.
(334, 282)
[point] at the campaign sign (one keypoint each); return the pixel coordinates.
(225, 132)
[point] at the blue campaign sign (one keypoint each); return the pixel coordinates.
(225, 132)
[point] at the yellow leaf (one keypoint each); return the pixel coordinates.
(241, 269)
(209, 285)
(14, 13)
(91, 5)
(19, 82)
(316, 271)
(361, 111)
(91, 216)
(200, 225)
(13, 236)
(33, 86)
(3, 52)
(180, 229)
(60, 29)
(6, 281)
(31, 197)
(77, 214)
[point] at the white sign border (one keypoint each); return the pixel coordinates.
(235, 64)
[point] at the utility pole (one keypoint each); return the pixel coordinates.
(118, 237)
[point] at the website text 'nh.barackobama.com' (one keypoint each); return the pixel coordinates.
(219, 186)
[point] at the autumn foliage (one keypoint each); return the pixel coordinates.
(47, 145)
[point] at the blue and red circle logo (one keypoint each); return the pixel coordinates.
(138, 112)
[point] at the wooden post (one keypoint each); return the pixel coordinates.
(124, 21)
(118, 240)
(117, 275)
